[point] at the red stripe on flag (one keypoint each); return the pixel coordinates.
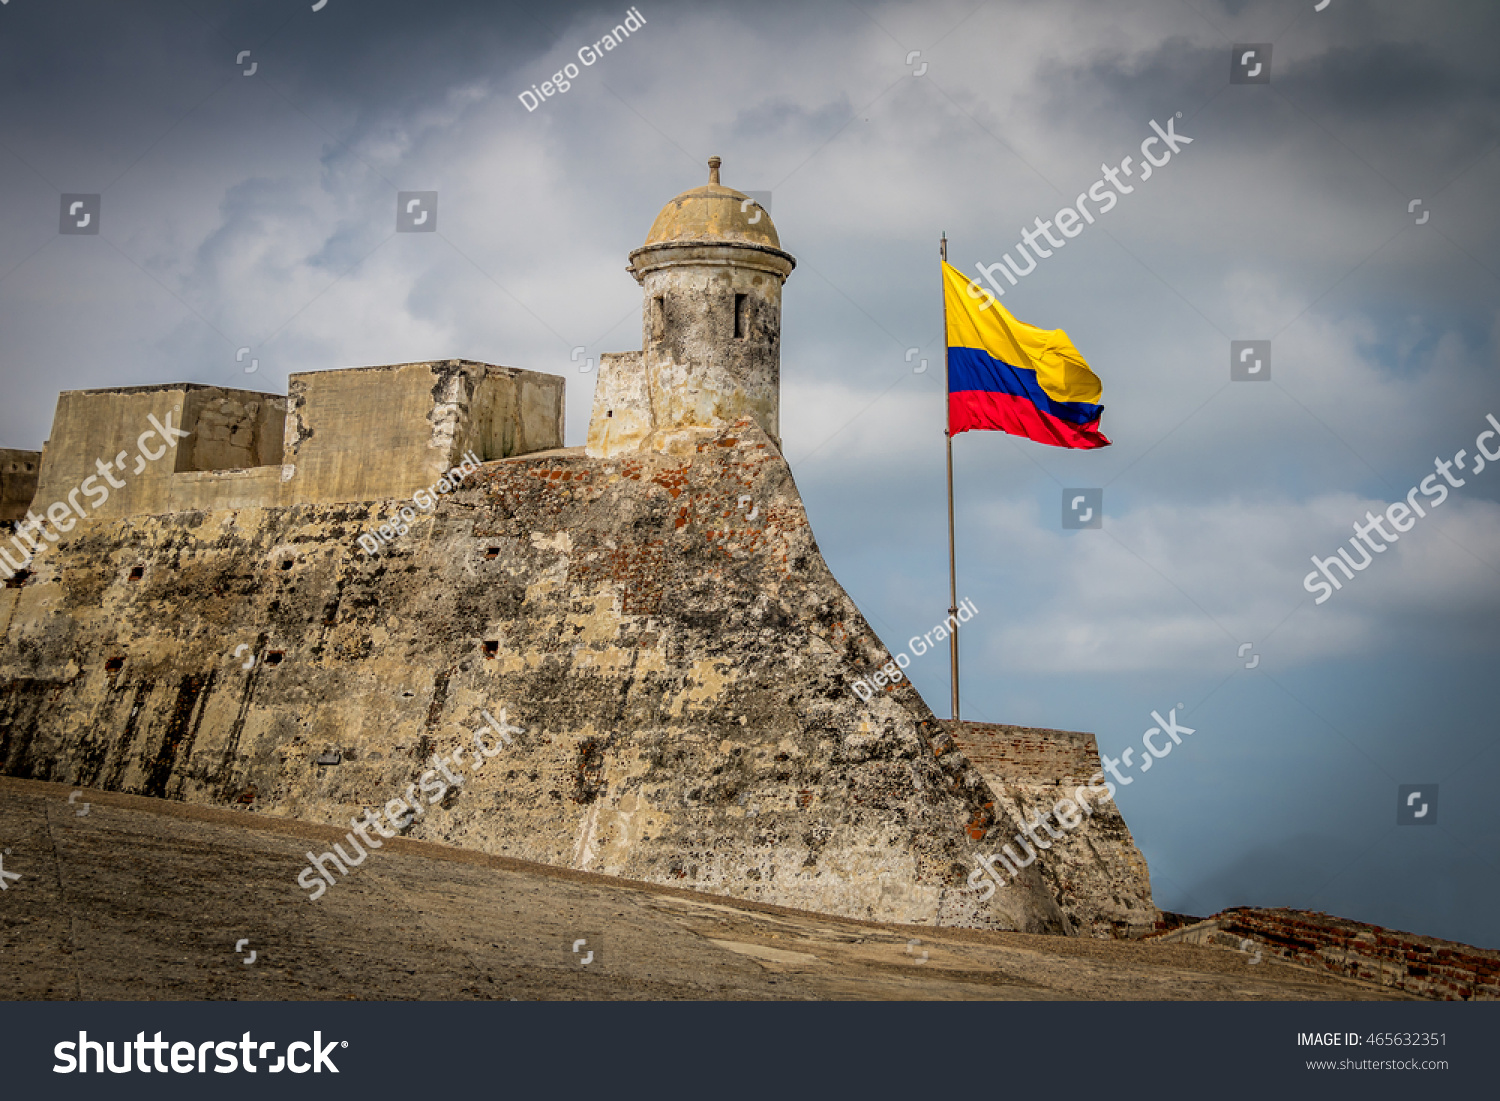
(979, 409)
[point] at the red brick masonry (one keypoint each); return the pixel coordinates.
(1026, 753)
(1425, 966)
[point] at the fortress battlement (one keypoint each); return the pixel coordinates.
(357, 434)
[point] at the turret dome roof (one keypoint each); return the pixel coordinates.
(713, 213)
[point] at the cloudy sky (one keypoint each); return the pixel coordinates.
(1338, 211)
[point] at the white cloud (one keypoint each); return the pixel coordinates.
(1166, 587)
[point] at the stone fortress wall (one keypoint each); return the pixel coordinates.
(651, 611)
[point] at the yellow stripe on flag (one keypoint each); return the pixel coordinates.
(976, 319)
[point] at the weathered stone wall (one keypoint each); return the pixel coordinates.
(1426, 966)
(1095, 865)
(225, 489)
(511, 412)
(712, 335)
(621, 416)
(359, 434)
(231, 430)
(18, 478)
(115, 427)
(681, 673)
(373, 432)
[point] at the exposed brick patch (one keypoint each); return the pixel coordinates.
(1024, 753)
(638, 572)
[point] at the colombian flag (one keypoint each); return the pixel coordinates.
(1011, 377)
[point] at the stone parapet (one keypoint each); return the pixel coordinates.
(1026, 753)
(351, 435)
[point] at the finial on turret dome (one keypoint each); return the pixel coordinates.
(713, 169)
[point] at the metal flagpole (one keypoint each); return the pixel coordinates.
(948, 437)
